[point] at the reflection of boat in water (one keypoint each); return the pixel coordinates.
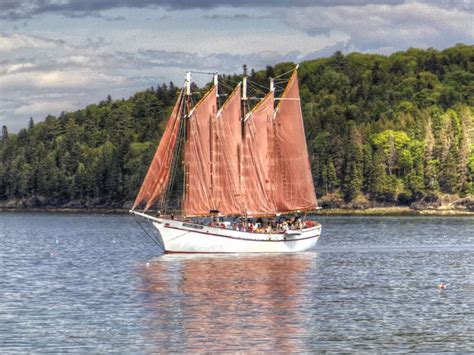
(236, 162)
(231, 303)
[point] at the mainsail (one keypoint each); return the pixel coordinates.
(265, 171)
(157, 177)
(291, 171)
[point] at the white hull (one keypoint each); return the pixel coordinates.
(184, 237)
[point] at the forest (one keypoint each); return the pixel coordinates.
(381, 130)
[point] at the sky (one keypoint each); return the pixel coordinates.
(61, 55)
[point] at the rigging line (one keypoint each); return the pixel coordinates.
(256, 91)
(233, 80)
(280, 80)
(283, 74)
(227, 87)
(257, 84)
(203, 72)
(153, 238)
(258, 87)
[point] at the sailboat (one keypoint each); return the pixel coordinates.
(247, 183)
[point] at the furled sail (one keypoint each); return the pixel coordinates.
(198, 197)
(290, 173)
(256, 163)
(158, 174)
(227, 139)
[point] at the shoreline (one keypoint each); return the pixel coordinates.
(378, 211)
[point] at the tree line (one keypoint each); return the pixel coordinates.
(390, 129)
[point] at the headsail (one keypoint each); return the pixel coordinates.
(158, 174)
(290, 174)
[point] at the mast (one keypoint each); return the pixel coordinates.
(244, 99)
(241, 149)
(187, 84)
(216, 83)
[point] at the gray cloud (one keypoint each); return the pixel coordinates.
(51, 76)
(40, 75)
(20, 9)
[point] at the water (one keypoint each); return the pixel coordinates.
(81, 283)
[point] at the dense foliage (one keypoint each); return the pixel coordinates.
(380, 128)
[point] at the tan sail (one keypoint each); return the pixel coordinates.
(198, 197)
(227, 143)
(158, 174)
(265, 171)
(256, 162)
(290, 173)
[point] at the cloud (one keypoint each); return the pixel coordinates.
(85, 59)
(9, 42)
(57, 79)
(19, 9)
(375, 27)
(47, 76)
(44, 107)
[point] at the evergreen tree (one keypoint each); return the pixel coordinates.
(394, 128)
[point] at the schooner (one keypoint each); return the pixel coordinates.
(251, 166)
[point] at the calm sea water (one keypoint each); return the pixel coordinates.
(84, 283)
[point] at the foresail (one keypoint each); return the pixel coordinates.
(198, 198)
(290, 173)
(158, 174)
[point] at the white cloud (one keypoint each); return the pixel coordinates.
(10, 42)
(57, 79)
(371, 27)
(13, 68)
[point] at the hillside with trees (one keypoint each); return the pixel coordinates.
(381, 130)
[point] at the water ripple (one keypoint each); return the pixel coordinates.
(91, 283)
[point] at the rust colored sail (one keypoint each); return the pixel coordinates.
(227, 140)
(290, 173)
(198, 165)
(256, 161)
(158, 174)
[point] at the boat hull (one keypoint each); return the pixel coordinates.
(184, 237)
